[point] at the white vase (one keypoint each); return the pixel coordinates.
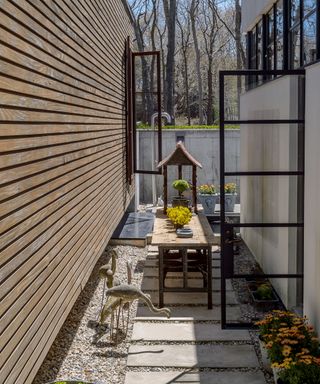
(275, 374)
(208, 203)
(264, 357)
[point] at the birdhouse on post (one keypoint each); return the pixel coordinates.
(179, 157)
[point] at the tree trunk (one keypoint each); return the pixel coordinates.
(147, 97)
(186, 86)
(170, 10)
(210, 110)
(193, 15)
(239, 48)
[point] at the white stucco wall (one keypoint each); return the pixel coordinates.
(312, 201)
(270, 198)
(252, 11)
(203, 144)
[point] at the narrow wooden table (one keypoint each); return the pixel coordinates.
(170, 246)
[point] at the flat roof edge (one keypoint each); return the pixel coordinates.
(128, 9)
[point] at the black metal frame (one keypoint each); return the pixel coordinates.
(227, 228)
(287, 28)
(158, 94)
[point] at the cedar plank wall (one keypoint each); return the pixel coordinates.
(62, 163)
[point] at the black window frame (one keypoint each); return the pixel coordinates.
(285, 39)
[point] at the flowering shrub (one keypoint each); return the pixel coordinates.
(230, 188)
(289, 340)
(301, 373)
(179, 215)
(207, 189)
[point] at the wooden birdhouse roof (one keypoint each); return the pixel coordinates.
(180, 156)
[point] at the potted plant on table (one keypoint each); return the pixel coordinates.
(181, 186)
(230, 193)
(179, 216)
(208, 197)
(292, 347)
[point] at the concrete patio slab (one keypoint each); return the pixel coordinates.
(191, 356)
(186, 332)
(152, 283)
(190, 314)
(195, 378)
(153, 272)
(192, 297)
(153, 262)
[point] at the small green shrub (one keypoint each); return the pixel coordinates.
(181, 185)
(264, 292)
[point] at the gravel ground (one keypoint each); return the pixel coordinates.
(82, 349)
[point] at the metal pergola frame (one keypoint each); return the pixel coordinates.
(227, 228)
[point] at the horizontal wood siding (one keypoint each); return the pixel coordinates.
(62, 163)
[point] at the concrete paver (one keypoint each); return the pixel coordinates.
(209, 356)
(195, 378)
(190, 314)
(191, 297)
(153, 272)
(185, 332)
(152, 283)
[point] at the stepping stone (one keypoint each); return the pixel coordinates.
(154, 262)
(152, 283)
(192, 356)
(195, 378)
(153, 272)
(186, 332)
(191, 297)
(190, 314)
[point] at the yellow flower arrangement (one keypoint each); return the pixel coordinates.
(207, 189)
(179, 216)
(291, 344)
(230, 188)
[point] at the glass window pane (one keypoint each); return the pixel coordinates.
(308, 6)
(309, 39)
(267, 199)
(259, 45)
(270, 27)
(270, 57)
(279, 16)
(295, 12)
(295, 47)
(279, 48)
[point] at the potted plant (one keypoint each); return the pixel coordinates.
(181, 186)
(301, 372)
(207, 195)
(179, 216)
(230, 191)
(262, 293)
(290, 342)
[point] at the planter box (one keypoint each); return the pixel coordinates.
(208, 203)
(230, 201)
(178, 201)
(264, 357)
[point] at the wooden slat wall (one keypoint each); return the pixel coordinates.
(62, 163)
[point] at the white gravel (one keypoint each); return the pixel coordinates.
(82, 349)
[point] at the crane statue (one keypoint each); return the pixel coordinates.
(125, 294)
(121, 296)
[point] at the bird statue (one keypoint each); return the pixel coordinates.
(129, 293)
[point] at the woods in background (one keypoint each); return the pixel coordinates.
(196, 38)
